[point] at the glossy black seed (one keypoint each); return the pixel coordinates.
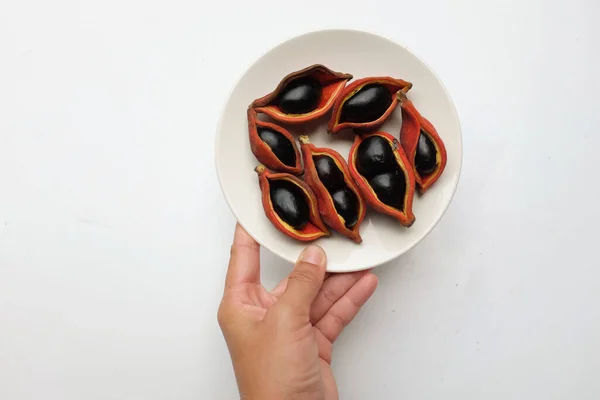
(390, 188)
(346, 205)
(289, 202)
(329, 173)
(300, 96)
(426, 155)
(281, 146)
(375, 156)
(368, 104)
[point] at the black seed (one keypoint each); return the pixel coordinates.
(300, 96)
(368, 104)
(390, 188)
(375, 156)
(346, 205)
(289, 202)
(426, 155)
(281, 146)
(329, 173)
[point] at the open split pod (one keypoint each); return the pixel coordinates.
(290, 205)
(366, 103)
(340, 200)
(303, 95)
(384, 175)
(422, 145)
(273, 145)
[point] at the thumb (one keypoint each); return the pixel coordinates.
(305, 280)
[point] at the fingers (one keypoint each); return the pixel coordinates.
(244, 262)
(282, 285)
(332, 290)
(346, 308)
(304, 281)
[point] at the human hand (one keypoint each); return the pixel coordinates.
(280, 342)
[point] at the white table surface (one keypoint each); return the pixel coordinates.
(114, 234)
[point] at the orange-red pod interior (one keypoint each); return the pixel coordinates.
(314, 228)
(327, 207)
(393, 86)
(264, 153)
(413, 126)
(405, 215)
(331, 83)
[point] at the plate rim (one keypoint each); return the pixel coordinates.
(339, 30)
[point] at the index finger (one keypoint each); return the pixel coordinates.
(244, 262)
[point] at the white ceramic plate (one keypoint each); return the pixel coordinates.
(361, 54)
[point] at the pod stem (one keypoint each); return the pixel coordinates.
(304, 139)
(401, 96)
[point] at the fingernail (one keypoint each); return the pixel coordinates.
(313, 254)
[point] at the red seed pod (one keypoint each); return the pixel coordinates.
(273, 146)
(366, 103)
(303, 95)
(340, 200)
(290, 205)
(423, 146)
(384, 175)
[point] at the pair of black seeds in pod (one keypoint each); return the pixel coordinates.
(375, 161)
(344, 199)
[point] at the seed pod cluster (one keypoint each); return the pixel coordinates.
(309, 191)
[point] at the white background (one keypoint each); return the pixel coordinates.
(114, 235)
